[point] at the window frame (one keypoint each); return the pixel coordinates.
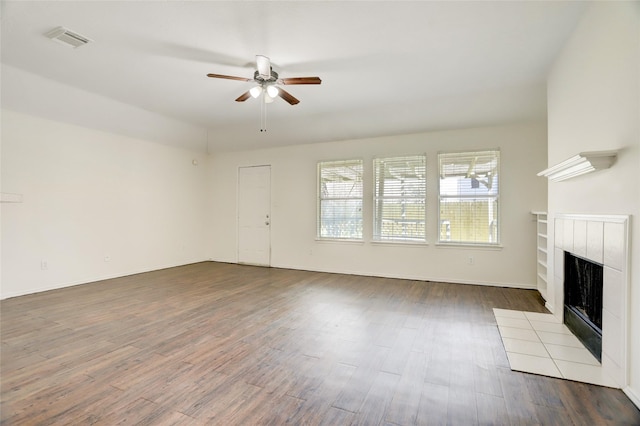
(497, 198)
(377, 236)
(320, 199)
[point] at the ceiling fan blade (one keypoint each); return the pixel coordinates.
(246, 95)
(287, 96)
(229, 77)
(264, 66)
(301, 80)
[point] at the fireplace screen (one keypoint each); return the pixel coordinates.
(583, 301)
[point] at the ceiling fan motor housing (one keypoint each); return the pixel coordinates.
(273, 78)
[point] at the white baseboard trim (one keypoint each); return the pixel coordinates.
(633, 395)
(411, 277)
(283, 266)
(89, 280)
(549, 307)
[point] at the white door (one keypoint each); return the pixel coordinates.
(254, 215)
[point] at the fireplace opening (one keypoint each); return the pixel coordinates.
(583, 301)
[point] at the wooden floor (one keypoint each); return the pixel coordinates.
(226, 344)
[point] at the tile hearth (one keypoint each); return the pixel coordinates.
(538, 343)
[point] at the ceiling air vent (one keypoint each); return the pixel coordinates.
(67, 37)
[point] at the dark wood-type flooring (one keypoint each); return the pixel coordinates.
(214, 343)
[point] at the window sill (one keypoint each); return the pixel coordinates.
(400, 243)
(339, 240)
(470, 246)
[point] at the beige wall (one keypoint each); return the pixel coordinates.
(93, 193)
(594, 104)
(90, 195)
(294, 245)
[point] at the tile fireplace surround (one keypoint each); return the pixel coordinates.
(603, 240)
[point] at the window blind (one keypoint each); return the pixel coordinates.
(340, 194)
(469, 196)
(400, 198)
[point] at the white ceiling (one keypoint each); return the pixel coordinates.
(387, 67)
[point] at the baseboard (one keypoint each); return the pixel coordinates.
(549, 307)
(89, 280)
(283, 266)
(411, 277)
(633, 395)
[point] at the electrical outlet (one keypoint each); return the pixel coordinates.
(470, 260)
(44, 265)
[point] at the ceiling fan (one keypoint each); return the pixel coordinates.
(267, 80)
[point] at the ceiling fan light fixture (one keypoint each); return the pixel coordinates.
(268, 99)
(272, 91)
(255, 91)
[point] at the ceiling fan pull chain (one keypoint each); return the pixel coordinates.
(263, 112)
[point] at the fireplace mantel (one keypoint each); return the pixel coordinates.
(583, 163)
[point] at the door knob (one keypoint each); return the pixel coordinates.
(266, 222)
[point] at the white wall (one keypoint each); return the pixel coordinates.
(89, 194)
(523, 154)
(594, 104)
(35, 95)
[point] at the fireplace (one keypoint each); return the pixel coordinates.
(583, 286)
(602, 240)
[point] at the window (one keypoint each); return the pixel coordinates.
(469, 197)
(340, 199)
(399, 198)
